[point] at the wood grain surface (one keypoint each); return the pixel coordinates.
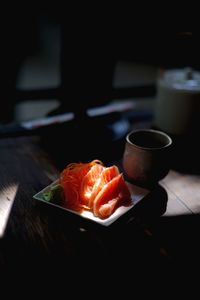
(163, 228)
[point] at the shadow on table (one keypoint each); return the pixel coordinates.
(94, 247)
(63, 243)
(122, 239)
(185, 155)
(101, 137)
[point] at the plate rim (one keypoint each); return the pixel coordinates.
(105, 222)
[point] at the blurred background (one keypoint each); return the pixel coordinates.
(87, 68)
(52, 65)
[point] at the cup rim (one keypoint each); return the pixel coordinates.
(149, 130)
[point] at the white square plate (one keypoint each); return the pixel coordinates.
(137, 194)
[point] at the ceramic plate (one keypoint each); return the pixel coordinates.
(137, 194)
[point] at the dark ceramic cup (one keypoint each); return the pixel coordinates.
(146, 158)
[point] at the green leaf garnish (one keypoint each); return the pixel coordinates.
(54, 195)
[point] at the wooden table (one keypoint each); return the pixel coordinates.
(164, 228)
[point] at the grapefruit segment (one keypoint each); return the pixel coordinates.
(88, 183)
(106, 175)
(94, 187)
(113, 194)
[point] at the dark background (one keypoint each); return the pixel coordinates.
(91, 45)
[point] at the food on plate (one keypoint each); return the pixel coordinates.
(55, 194)
(94, 187)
